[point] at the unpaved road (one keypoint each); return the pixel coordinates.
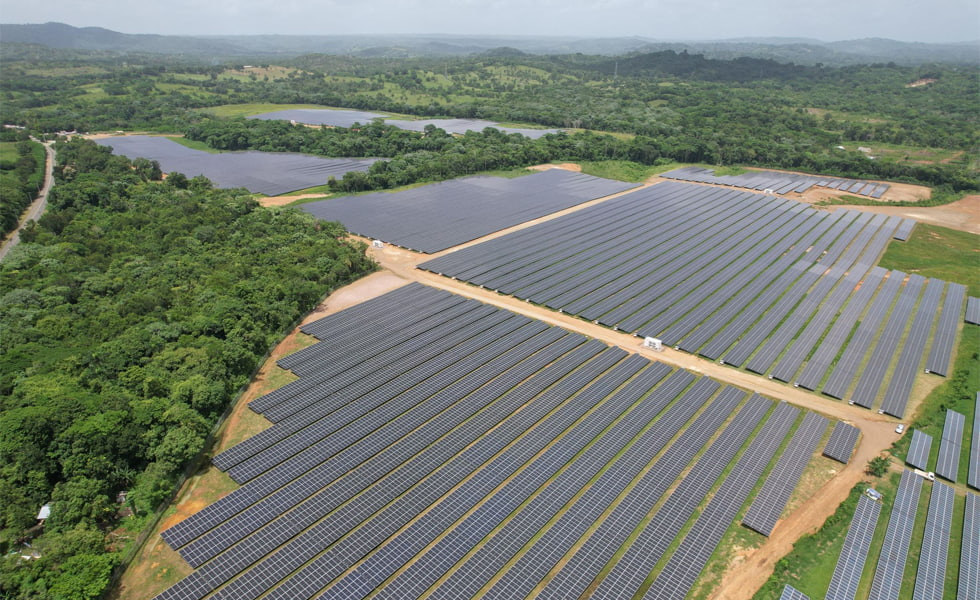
(36, 209)
(752, 568)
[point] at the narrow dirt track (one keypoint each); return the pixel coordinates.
(36, 209)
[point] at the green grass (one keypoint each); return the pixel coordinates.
(195, 145)
(624, 170)
(8, 151)
(934, 251)
(247, 110)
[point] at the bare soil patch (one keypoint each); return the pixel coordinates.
(563, 166)
(897, 192)
(284, 200)
(962, 215)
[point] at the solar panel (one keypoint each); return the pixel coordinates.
(887, 581)
(972, 311)
(950, 446)
(791, 593)
(969, 581)
(446, 214)
(919, 449)
(840, 446)
(653, 539)
(973, 478)
(686, 563)
(930, 577)
(909, 360)
(944, 339)
(847, 574)
(782, 480)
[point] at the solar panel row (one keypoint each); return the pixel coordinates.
(887, 581)
(477, 464)
(841, 443)
(969, 582)
(702, 270)
(873, 376)
(589, 560)
(480, 566)
(565, 378)
(779, 183)
(318, 573)
(950, 446)
(850, 564)
(945, 337)
(930, 577)
(521, 578)
(438, 216)
(913, 348)
(918, 455)
(973, 310)
(791, 593)
(782, 480)
(973, 478)
(686, 563)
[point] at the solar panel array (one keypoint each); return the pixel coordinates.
(475, 461)
(785, 183)
(950, 446)
(918, 455)
(791, 593)
(775, 493)
(438, 216)
(969, 581)
(841, 443)
(347, 118)
(887, 581)
(269, 173)
(973, 478)
(746, 278)
(930, 577)
(973, 310)
(850, 564)
(945, 337)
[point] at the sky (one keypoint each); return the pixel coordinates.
(827, 20)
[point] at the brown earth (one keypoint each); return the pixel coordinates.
(962, 215)
(566, 166)
(284, 200)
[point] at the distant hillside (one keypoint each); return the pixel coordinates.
(783, 50)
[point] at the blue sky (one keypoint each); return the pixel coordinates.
(829, 20)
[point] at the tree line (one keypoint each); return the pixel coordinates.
(21, 178)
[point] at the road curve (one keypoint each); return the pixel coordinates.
(37, 207)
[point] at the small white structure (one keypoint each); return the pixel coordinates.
(769, 192)
(653, 343)
(44, 513)
(378, 244)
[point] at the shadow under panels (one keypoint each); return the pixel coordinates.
(751, 280)
(434, 217)
(435, 445)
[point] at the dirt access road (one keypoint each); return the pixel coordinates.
(750, 569)
(36, 209)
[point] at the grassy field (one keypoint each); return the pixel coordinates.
(8, 151)
(935, 251)
(624, 170)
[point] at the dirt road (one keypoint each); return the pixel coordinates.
(36, 209)
(750, 570)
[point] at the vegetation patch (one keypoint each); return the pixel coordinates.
(934, 251)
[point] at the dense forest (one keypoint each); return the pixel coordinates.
(133, 313)
(21, 176)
